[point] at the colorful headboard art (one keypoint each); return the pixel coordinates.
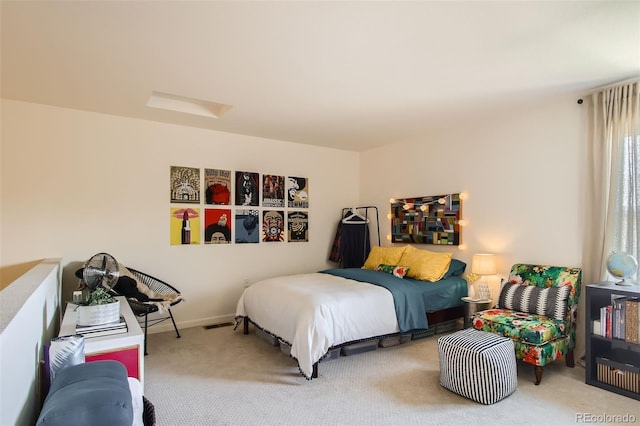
(426, 220)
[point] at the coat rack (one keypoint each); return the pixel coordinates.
(354, 210)
(354, 228)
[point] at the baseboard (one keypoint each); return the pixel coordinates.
(167, 326)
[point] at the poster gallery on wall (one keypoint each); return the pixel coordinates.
(239, 207)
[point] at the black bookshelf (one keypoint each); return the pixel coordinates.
(621, 353)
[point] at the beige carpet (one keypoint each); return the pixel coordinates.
(222, 377)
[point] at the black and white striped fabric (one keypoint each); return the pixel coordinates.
(550, 302)
(478, 365)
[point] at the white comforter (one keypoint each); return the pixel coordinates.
(316, 311)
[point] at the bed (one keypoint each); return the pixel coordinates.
(317, 312)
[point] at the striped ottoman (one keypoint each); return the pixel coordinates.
(478, 365)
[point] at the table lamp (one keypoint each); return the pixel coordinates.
(483, 264)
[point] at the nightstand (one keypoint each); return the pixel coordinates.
(471, 306)
(128, 348)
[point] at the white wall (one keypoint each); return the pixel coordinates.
(78, 183)
(523, 172)
(29, 310)
(522, 168)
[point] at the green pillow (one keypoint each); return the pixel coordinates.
(456, 268)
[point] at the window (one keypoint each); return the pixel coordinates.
(626, 193)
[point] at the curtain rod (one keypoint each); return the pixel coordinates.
(609, 86)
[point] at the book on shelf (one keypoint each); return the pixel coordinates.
(104, 332)
(620, 320)
(605, 320)
(632, 321)
(120, 323)
(595, 327)
(618, 312)
(106, 329)
(95, 330)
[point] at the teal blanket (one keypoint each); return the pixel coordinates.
(412, 298)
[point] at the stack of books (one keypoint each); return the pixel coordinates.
(620, 320)
(107, 329)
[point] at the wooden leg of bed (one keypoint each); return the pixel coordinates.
(538, 374)
(245, 324)
(314, 374)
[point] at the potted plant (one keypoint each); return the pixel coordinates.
(99, 307)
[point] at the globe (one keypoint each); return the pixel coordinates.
(622, 266)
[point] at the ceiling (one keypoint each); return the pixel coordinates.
(350, 75)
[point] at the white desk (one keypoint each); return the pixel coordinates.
(128, 348)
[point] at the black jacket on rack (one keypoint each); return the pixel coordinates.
(351, 245)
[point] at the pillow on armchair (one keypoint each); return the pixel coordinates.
(550, 301)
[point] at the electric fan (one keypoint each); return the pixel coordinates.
(102, 270)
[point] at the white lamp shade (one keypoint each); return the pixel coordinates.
(484, 264)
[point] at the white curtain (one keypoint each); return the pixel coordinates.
(613, 187)
(613, 202)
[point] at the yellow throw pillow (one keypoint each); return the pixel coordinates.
(424, 264)
(383, 255)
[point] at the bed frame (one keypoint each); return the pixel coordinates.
(442, 321)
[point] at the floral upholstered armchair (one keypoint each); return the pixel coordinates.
(537, 309)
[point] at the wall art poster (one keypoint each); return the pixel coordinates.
(427, 220)
(184, 226)
(247, 189)
(185, 185)
(298, 226)
(297, 192)
(272, 225)
(272, 191)
(217, 226)
(247, 226)
(217, 184)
